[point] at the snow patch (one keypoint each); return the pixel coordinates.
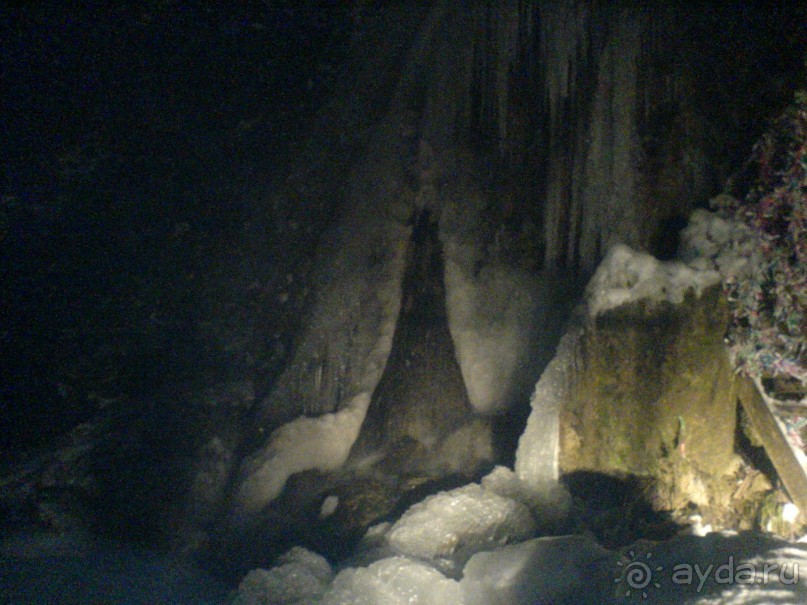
(720, 568)
(712, 249)
(711, 242)
(543, 570)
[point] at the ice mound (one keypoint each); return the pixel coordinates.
(455, 524)
(393, 581)
(566, 569)
(299, 577)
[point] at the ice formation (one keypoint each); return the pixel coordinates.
(300, 576)
(458, 523)
(537, 453)
(626, 276)
(548, 501)
(712, 249)
(321, 443)
(393, 581)
(486, 529)
(710, 242)
(493, 320)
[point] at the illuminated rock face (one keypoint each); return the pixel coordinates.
(648, 393)
(640, 386)
(654, 381)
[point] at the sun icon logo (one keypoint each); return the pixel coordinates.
(637, 575)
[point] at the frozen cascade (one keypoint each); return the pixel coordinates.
(321, 443)
(484, 529)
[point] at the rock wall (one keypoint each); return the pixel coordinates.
(561, 129)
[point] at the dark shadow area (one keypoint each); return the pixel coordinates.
(754, 453)
(38, 567)
(507, 430)
(616, 509)
(135, 141)
(665, 242)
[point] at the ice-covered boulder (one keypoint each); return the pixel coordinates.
(300, 577)
(393, 581)
(455, 524)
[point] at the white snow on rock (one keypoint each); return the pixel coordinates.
(455, 524)
(393, 581)
(322, 443)
(712, 249)
(626, 276)
(300, 576)
(710, 242)
(566, 569)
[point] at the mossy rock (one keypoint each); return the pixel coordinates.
(652, 378)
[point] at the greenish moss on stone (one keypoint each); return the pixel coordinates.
(652, 378)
